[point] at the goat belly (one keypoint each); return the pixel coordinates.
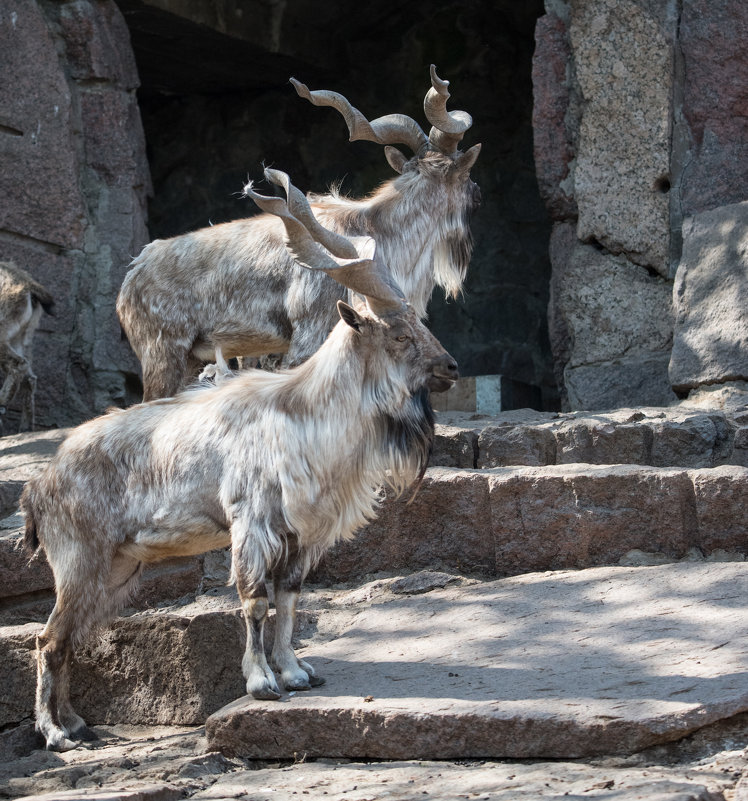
(172, 539)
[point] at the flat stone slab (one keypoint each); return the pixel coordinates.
(555, 665)
(131, 763)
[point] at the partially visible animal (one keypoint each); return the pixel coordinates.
(278, 465)
(22, 302)
(231, 290)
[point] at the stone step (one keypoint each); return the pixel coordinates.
(660, 437)
(504, 521)
(554, 665)
(163, 763)
(171, 666)
(491, 522)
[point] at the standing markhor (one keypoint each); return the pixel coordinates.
(279, 465)
(231, 290)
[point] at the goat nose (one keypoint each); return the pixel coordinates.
(443, 374)
(450, 365)
(447, 367)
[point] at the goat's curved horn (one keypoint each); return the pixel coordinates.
(362, 274)
(448, 126)
(391, 129)
(299, 207)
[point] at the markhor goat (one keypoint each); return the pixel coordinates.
(232, 291)
(22, 300)
(279, 465)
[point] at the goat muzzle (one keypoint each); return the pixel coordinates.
(444, 374)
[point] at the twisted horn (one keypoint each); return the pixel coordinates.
(361, 274)
(448, 126)
(389, 130)
(299, 207)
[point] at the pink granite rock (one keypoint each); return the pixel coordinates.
(712, 37)
(552, 141)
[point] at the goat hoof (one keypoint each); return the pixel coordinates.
(63, 744)
(317, 681)
(297, 684)
(85, 734)
(266, 694)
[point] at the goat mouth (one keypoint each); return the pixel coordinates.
(440, 383)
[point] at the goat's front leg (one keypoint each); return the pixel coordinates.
(296, 674)
(261, 682)
(28, 391)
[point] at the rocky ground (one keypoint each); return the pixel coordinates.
(164, 763)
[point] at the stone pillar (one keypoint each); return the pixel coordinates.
(72, 190)
(710, 296)
(603, 99)
(711, 299)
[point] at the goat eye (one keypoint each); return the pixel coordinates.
(402, 338)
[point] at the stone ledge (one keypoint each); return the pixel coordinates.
(654, 436)
(504, 521)
(172, 666)
(553, 665)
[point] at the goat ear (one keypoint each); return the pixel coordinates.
(349, 315)
(395, 158)
(466, 160)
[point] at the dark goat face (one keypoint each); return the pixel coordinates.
(400, 342)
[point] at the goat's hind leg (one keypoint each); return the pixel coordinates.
(54, 713)
(69, 719)
(296, 674)
(81, 605)
(123, 579)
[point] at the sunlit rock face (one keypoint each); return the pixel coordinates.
(638, 128)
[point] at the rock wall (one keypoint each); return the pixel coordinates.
(72, 191)
(640, 131)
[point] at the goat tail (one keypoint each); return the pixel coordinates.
(31, 542)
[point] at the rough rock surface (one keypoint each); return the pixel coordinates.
(622, 55)
(711, 300)
(613, 309)
(611, 327)
(554, 151)
(714, 101)
(164, 763)
(558, 665)
(74, 189)
(640, 112)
